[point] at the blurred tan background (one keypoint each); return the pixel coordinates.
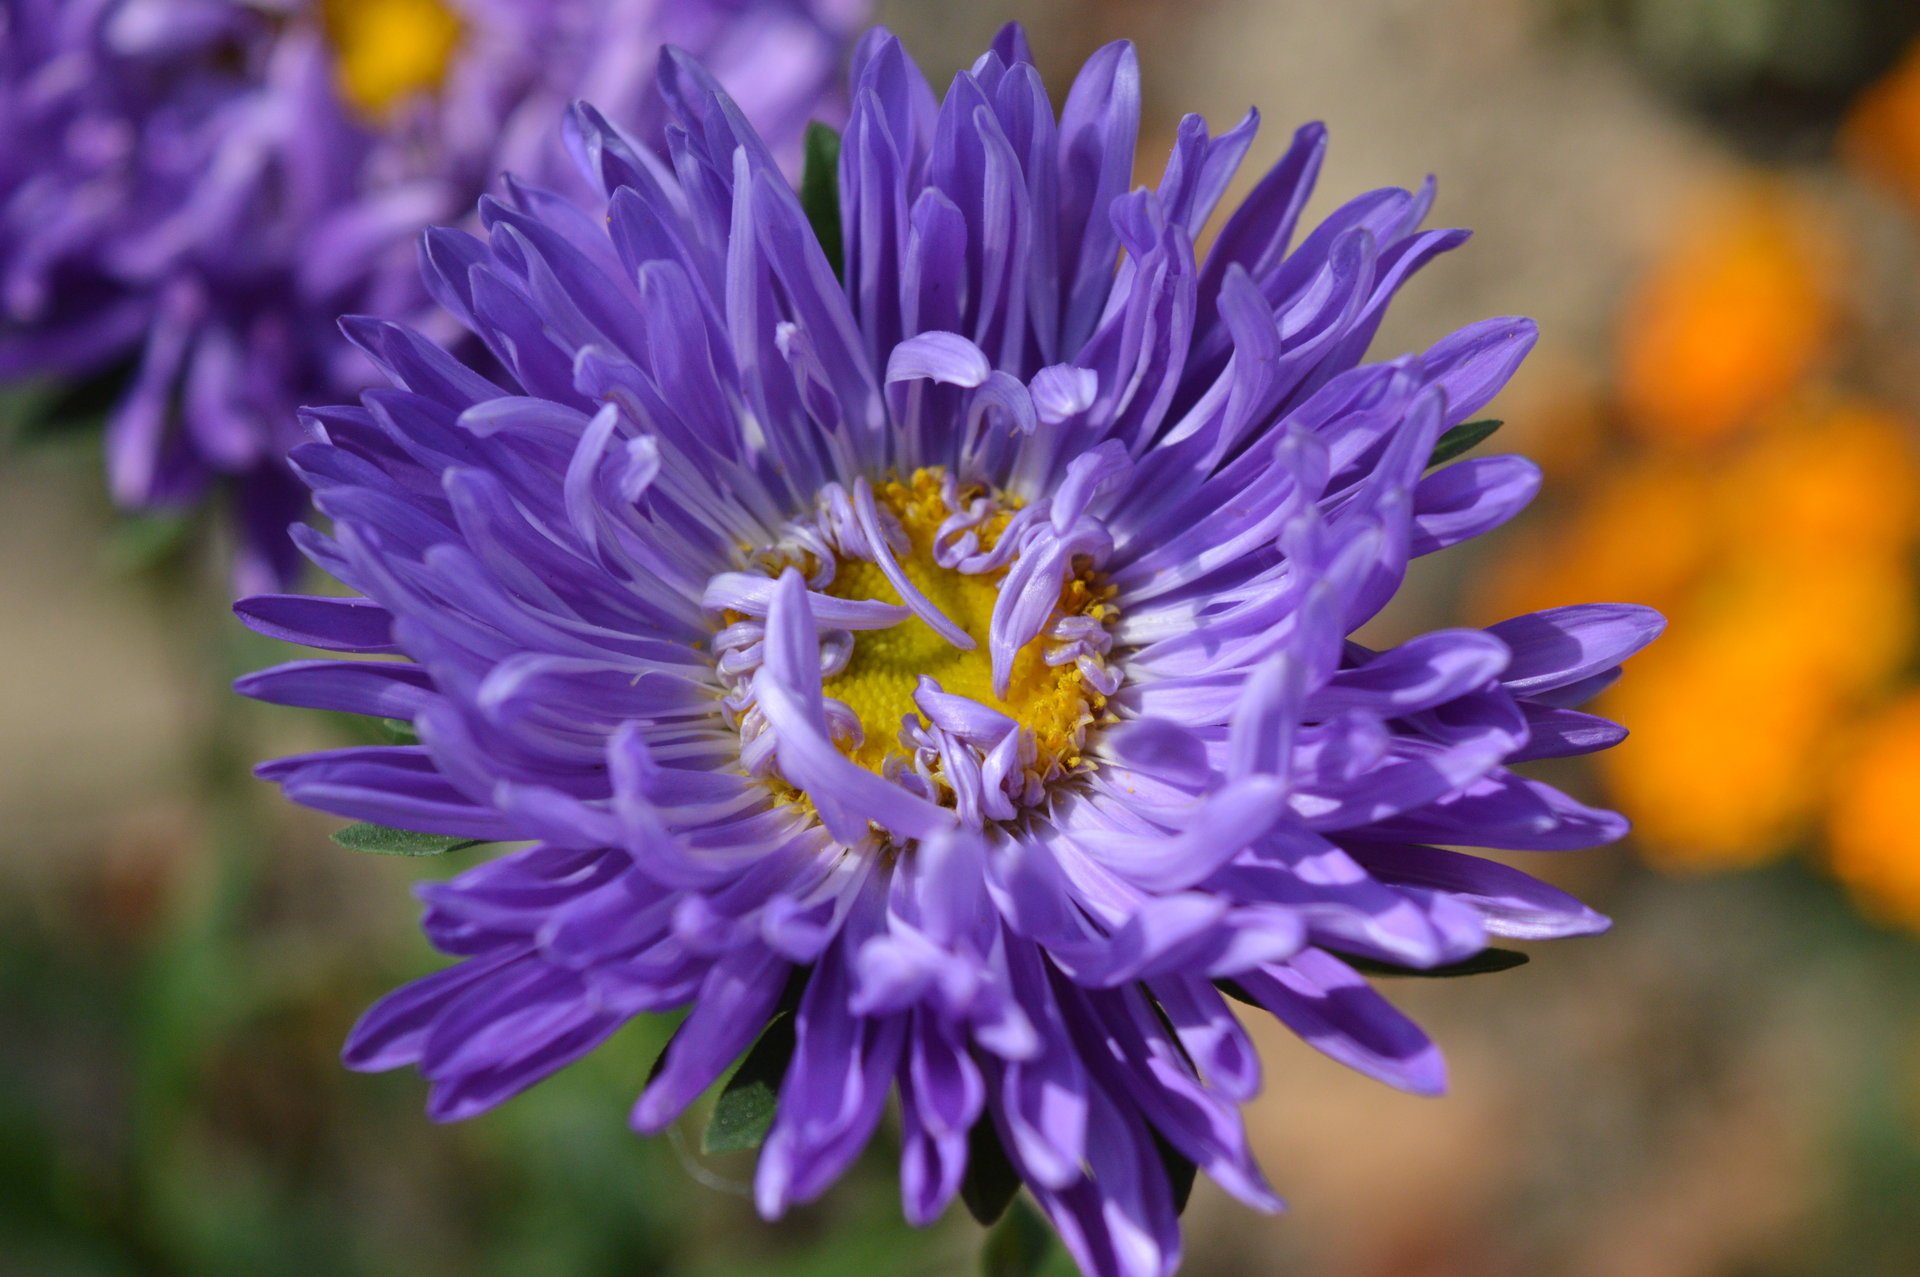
(1727, 1084)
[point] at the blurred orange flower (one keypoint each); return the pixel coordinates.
(1735, 713)
(1881, 136)
(1736, 313)
(1775, 521)
(1783, 565)
(1641, 534)
(1715, 773)
(1873, 827)
(1826, 474)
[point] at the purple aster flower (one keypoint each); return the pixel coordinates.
(912, 631)
(192, 190)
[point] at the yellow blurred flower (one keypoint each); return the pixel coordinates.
(386, 51)
(1736, 313)
(1873, 826)
(1881, 136)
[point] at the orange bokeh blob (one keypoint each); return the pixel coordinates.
(1736, 712)
(1881, 135)
(1739, 310)
(1783, 564)
(1873, 825)
(1826, 475)
(1642, 534)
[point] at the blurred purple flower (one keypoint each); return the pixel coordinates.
(952, 654)
(191, 191)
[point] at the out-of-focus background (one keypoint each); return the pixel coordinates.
(1713, 208)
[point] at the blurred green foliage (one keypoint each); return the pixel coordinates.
(175, 1106)
(1775, 74)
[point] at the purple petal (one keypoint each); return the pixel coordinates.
(336, 625)
(1514, 904)
(729, 1013)
(1562, 646)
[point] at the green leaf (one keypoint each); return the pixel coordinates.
(744, 1112)
(1485, 962)
(382, 841)
(1019, 1246)
(820, 192)
(991, 1182)
(1461, 438)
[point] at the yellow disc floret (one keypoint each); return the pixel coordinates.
(388, 50)
(1053, 703)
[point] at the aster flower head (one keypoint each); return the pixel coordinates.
(191, 191)
(924, 628)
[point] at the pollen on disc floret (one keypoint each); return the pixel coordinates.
(947, 538)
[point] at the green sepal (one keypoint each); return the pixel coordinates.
(1019, 1246)
(1461, 438)
(990, 1182)
(1485, 962)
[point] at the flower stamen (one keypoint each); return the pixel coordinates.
(918, 700)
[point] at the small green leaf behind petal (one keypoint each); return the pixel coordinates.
(1460, 439)
(820, 192)
(398, 731)
(380, 840)
(744, 1113)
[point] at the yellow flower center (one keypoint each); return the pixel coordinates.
(1053, 703)
(385, 51)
